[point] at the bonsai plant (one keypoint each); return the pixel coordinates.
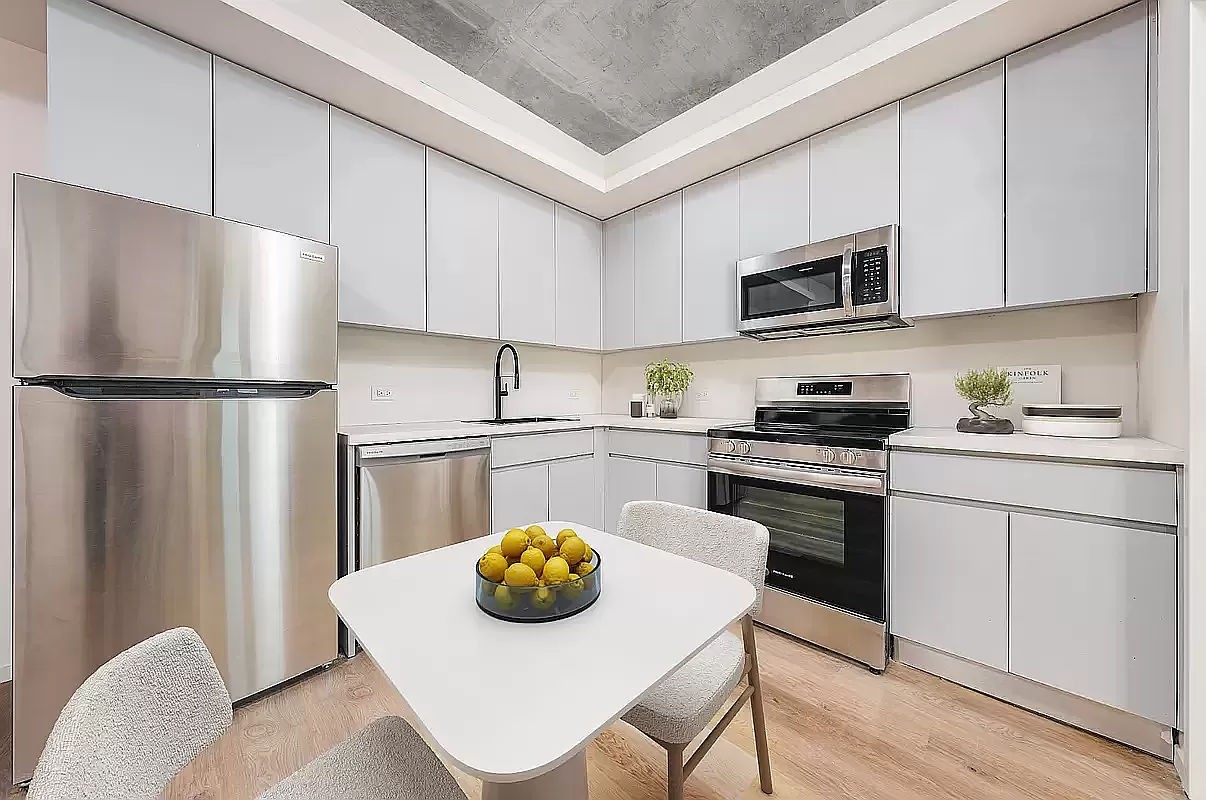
(984, 387)
(667, 380)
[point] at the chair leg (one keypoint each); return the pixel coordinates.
(755, 679)
(674, 771)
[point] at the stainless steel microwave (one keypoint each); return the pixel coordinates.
(841, 285)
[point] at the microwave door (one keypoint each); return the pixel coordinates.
(800, 293)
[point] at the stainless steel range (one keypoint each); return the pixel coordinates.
(813, 469)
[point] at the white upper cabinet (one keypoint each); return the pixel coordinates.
(377, 222)
(854, 175)
(710, 253)
(462, 248)
(272, 151)
(579, 256)
(952, 196)
(619, 281)
(527, 278)
(129, 110)
(1076, 163)
(774, 201)
(658, 247)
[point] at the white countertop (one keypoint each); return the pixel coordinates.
(425, 431)
(488, 693)
(1134, 449)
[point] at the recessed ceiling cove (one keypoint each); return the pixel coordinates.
(607, 71)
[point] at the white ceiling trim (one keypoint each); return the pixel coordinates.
(332, 51)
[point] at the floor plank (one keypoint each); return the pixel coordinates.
(835, 730)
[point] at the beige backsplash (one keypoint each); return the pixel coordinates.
(1094, 343)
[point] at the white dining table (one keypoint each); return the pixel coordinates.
(517, 704)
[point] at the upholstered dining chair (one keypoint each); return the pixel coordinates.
(144, 715)
(679, 708)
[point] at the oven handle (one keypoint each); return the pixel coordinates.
(842, 481)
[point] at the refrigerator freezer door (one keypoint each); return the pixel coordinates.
(135, 516)
(107, 286)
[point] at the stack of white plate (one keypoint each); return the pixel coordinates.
(1069, 419)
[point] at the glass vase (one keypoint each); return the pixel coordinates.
(668, 405)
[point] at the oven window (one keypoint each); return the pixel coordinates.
(815, 286)
(800, 525)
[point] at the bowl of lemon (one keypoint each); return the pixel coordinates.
(534, 575)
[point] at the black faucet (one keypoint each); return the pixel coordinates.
(500, 388)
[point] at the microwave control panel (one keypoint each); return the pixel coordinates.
(869, 278)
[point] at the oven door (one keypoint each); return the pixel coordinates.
(826, 527)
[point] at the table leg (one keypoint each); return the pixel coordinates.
(566, 782)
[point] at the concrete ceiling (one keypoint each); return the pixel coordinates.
(607, 71)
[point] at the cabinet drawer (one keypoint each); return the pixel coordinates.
(684, 448)
(507, 451)
(1145, 495)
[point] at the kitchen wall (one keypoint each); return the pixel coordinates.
(1094, 343)
(442, 377)
(22, 123)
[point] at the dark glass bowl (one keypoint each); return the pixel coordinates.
(531, 604)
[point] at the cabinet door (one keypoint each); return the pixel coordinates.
(377, 222)
(462, 248)
(575, 492)
(272, 150)
(710, 250)
(1076, 163)
(519, 496)
(686, 486)
(658, 251)
(1092, 611)
(952, 196)
(774, 201)
(579, 257)
(627, 479)
(950, 579)
(129, 110)
(527, 278)
(619, 281)
(854, 175)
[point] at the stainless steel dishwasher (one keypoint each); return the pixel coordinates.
(397, 500)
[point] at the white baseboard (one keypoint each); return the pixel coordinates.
(6, 672)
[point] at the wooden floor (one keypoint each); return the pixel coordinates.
(836, 731)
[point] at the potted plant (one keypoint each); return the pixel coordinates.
(984, 387)
(667, 381)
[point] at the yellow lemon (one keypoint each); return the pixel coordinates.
(519, 575)
(589, 554)
(565, 534)
(535, 530)
(585, 568)
(492, 566)
(543, 598)
(573, 587)
(514, 542)
(556, 570)
(503, 598)
(573, 549)
(545, 544)
(534, 559)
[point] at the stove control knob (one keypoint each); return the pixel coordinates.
(743, 448)
(728, 445)
(848, 457)
(827, 455)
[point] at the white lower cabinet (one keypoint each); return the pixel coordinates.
(950, 578)
(684, 485)
(1093, 612)
(628, 479)
(575, 492)
(519, 496)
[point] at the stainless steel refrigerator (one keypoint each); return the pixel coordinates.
(174, 448)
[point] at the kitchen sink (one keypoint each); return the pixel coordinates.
(520, 420)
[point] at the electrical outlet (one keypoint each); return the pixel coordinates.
(575, 395)
(381, 393)
(702, 396)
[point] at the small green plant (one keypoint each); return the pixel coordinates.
(984, 387)
(667, 378)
